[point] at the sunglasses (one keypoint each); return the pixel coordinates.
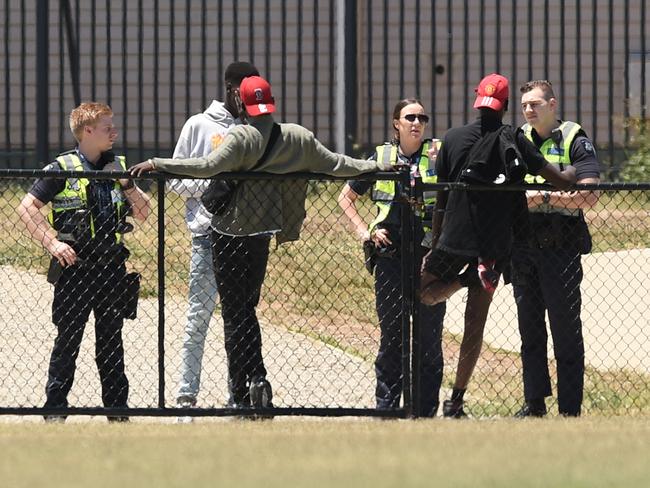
(423, 118)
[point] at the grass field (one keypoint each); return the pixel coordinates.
(617, 222)
(588, 452)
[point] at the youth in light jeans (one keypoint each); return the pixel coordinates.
(202, 301)
(201, 134)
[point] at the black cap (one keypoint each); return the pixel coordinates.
(237, 71)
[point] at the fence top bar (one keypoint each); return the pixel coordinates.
(379, 175)
(592, 186)
(39, 173)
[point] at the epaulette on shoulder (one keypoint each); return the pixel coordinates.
(52, 166)
(66, 153)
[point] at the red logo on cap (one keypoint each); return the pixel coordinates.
(490, 89)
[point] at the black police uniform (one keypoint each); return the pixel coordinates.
(388, 298)
(96, 283)
(546, 277)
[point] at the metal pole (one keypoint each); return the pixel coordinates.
(413, 261)
(42, 81)
(160, 184)
(409, 392)
(340, 75)
(73, 51)
(346, 79)
(350, 74)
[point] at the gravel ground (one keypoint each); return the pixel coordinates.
(303, 371)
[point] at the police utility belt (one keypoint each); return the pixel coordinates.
(558, 231)
(128, 289)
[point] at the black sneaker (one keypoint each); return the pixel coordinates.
(531, 409)
(260, 392)
(261, 395)
(118, 419)
(570, 414)
(54, 419)
(453, 409)
(430, 413)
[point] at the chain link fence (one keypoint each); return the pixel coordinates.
(614, 307)
(318, 318)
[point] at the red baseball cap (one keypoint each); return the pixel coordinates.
(255, 93)
(492, 92)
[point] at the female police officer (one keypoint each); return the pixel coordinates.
(410, 149)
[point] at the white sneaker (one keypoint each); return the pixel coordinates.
(185, 403)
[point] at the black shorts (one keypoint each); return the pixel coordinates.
(446, 266)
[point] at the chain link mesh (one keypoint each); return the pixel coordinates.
(318, 319)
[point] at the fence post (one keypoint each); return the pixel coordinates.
(410, 400)
(160, 184)
(346, 82)
(350, 74)
(415, 189)
(73, 51)
(42, 81)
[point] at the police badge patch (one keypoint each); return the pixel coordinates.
(588, 146)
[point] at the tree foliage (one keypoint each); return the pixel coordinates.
(637, 167)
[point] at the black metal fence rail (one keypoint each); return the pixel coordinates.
(318, 317)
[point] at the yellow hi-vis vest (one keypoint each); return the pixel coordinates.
(558, 153)
(384, 192)
(74, 195)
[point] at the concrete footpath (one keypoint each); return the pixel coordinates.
(615, 312)
(303, 370)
